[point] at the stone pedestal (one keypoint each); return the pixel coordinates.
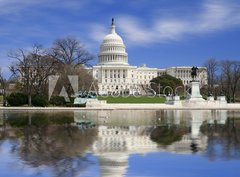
(210, 98)
(177, 101)
(222, 99)
(211, 101)
(195, 92)
(169, 100)
(176, 98)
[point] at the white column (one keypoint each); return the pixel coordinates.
(107, 71)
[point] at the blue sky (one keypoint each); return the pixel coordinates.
(159, 33)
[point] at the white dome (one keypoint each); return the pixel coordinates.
(112, 50)
(113, 37)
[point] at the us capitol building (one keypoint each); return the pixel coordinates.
(114, 74)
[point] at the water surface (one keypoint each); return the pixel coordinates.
(120, 143)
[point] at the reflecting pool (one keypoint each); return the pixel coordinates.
(164, 143)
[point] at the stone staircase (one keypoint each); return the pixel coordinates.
(146, 91)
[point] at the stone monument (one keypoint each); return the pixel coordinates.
(210, 97)
(195, 87)
(222, 99)
(194, 98)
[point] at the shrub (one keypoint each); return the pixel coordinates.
(237, 99)
(17, 99)
(40, 100)
(57, 101)
(72, 100)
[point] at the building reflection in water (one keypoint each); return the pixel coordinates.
(60, 140)
(122, 133)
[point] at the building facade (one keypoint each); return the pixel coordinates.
(114, 74)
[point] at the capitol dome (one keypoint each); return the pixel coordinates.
(112, 49)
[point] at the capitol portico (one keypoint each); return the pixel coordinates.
(114, 74)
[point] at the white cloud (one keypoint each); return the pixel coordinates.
(97, 32)
(133, 29)
(213, 16)
(218, 15)
(15, 6)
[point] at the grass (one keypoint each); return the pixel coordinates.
(133, 99)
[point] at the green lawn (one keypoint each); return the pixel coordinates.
(132, 99)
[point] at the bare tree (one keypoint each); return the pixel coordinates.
(32, 69)
(212, 68)
(230, 78)
(70, 51)
(85, 79)
(3, 83)
(72, 57)
(45, 66)
(235, 78)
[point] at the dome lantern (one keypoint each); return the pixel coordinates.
(112, 30)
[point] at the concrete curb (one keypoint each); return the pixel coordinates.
(129, 107)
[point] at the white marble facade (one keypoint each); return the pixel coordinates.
(114, 74)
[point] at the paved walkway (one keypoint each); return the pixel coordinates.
(135, 107)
